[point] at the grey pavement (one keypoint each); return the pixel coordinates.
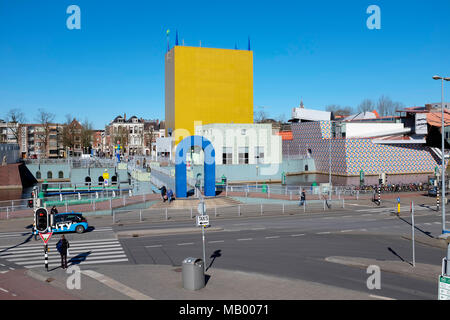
(164, 282)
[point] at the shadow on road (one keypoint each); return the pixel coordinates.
(427, 233)
(215, 255)
(397, 255)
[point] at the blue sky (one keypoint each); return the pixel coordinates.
(321, 51)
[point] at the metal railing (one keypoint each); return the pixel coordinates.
(238, 210)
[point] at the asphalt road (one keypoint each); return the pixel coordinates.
(292, 246)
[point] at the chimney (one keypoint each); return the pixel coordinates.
(124, 117)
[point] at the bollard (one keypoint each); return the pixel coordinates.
(290, 194)
(123, 200)
(304, 207)
(140, 215)
(239, 210)
(7, 213)
(66, 205)
(261, 208)
(114, 216)
(166, 214)
(283, 209)
(268, 191)
(12, 206)
(323, 205)
(110, 203)
(343, 203)
(93, 202)
(226, 190)
(357, 195)
(191, 213)
(215, 212)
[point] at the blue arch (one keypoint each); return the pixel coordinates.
(209, 166)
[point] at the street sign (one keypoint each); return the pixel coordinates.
(398, 200)
(444, 288)
(45, 236)
(105, 175)
(106, 182)
(201, 208)
(202, 220)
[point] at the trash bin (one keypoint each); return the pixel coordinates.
(193, 274)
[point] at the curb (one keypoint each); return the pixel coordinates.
(160, 232)
(432, 242)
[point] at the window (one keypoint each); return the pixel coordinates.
(49, 175)
(227, 155)
(60, 174)
(259, 154)
(38, 175)
(243, 155)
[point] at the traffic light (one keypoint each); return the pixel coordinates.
(41, 220)
(30, 203)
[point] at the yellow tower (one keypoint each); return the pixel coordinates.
(207, 85)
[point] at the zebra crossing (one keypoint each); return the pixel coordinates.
(81, 252)
(27, 233)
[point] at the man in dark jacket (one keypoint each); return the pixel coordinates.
(62, 247)
(54, 210)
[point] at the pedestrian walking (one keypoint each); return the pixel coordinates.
(170, 196)
(54, 210)
(302, 198)
(163, 193)
(63, 248)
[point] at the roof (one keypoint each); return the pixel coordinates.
(285, 135)
(435, 118)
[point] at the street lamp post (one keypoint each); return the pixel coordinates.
(443, 154)
(329, 160)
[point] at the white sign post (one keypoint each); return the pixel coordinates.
(202, 221)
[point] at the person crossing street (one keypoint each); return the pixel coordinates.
(62, 246)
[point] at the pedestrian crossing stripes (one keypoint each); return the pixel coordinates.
(81, 252)
(28, 233)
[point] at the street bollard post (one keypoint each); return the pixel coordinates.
(239, 210)
(7, 213)
(343, 203)
(283, 208)
(215, 212)
(166, 214)
(261, 208)
(191, 213)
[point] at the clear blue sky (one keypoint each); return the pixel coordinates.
(321, 51)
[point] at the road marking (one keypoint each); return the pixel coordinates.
(130, 292)
(297, 235)
(3, 272)
(154, 246)
(437, 223)
(246, 239)
(347, 230)
(326, 232)
(346, 216)
(216, 241)
(362, 230)
(258, 229)
(50, 265)
(380, 297)
(4, 290)
(272, 237)
(427, 223)
(1, 264)
(185, 244)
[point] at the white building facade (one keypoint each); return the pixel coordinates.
(241, 143)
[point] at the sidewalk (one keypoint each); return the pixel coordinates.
(162, 282)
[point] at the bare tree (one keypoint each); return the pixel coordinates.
(45, 119)
(86, 134)
(260, 116)
(366, 105)
(387, 107)
(14, 117)
(338, 110)
(68, 135)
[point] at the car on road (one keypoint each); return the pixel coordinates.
(69, 222)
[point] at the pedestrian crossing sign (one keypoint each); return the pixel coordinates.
(45, 236)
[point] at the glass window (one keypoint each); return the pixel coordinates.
(49, 175)
(38, 175)
(227, 155)
(243, 155)
(259, 154)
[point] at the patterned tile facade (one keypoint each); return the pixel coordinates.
(349, 156)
